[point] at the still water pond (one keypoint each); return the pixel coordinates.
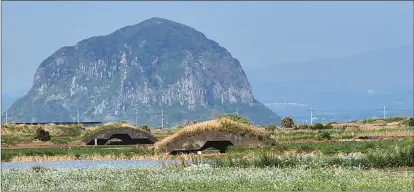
(84, 164)
(92, 164)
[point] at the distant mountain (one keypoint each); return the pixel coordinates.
(356, 83)
(7, 99)
(135, 73)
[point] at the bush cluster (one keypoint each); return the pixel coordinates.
(287, 122)
(146, 128)
(302, 126)
(237, 118)
(409, 122)
(324, 135)
(270, 127)
(42, 135)
(320, 126)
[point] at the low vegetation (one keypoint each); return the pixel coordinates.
(329, 148)
(205, 178)
(237, 118)
(324, 135)
(374, 159)
(328, 156)
(409, 122)
(14, 134)
(325, 139)
(126, 152)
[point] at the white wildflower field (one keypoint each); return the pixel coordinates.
(204, 177)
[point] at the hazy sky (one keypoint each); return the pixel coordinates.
(256, 33)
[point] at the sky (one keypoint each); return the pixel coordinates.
(258, 34)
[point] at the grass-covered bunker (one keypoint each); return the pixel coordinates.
(218, 134)
(119, 134)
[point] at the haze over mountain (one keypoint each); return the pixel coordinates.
(360, 84)
(7, 99)
(140, 71)
(258, 34)
(344, 88)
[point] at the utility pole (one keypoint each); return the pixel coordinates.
(311, 117)
(6, 117)
(136, 118)
(162, 119)
(384, 111)
(77, 115)
(237, 110)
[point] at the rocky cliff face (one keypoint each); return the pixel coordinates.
(135, 73)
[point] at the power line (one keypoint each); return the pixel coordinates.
(314, 113)
(162, 119)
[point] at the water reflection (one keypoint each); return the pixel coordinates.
(85, 164)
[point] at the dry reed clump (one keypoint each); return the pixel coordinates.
(54, 130)
(18, 129)
(354, 154)
(222, 124)
(68, 157)
(85, 157)
(399, 133)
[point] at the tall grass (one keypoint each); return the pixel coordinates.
(13, 134)
(375, 159)
(329, 148)
(286, 136)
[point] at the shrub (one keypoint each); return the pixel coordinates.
(287, 122)
(40, 169)
(367, 121)
(409, 122)
(328, 126)
(146, 128)
(238, 118)
(180, 127)
(270, 127)
(42, 135)
(317, 126)
(302, 126)
(324, 135)
(393, 119)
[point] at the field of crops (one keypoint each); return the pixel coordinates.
(204, 177)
